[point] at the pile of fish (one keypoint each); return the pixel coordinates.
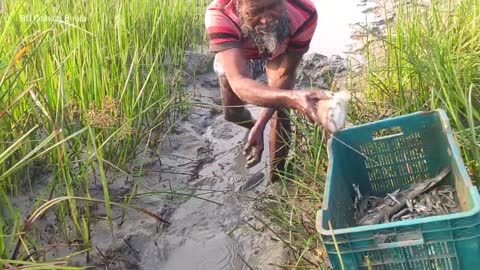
(421, 199)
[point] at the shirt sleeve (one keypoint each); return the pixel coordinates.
(222, 32)
(300, 41)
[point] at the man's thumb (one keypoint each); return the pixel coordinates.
(325, 94)
(313, 117)
(247, 148)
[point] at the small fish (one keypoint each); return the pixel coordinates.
(410, 205)
(355, 203)
(438, 206)
(332, 112)
(392, 197)
(435, 195)
(358, 194)
(252, 182)
(400, 214)
(420, 199)
(429, 201)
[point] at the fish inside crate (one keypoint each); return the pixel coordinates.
(420, 199)
(400, 197)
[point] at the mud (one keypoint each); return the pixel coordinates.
(196, 179)
(213, 226)
(208, 229)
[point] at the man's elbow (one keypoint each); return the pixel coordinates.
(284, 80)
(238, 87)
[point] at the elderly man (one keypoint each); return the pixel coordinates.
(252, 36)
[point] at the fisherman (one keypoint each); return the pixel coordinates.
(250, 37)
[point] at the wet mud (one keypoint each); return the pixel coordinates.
(196, 179)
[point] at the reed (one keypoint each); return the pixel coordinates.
(83, 85)
(427, 59)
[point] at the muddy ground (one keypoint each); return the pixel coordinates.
(214, 226)
(196, 180)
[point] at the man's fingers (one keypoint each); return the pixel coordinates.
(255, 157)
(324, 94)
(253, 160)
(247, 149)
(313, 117)
(258, 154)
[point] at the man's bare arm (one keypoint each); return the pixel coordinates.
(281, 73)
(247, 89)
(253, 92)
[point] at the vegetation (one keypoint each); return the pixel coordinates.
(83, 84)
(427, 59)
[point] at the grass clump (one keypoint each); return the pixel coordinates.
(427, 59)
(82, 86)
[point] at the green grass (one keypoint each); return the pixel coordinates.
(82, 95)
(428, 59)
(294, 205)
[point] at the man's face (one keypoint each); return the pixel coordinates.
(265, 22)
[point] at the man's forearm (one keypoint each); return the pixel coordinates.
(265, 115)
(285, 81)
(256, 93)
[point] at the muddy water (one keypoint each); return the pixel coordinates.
(212, 228)
(206, 235)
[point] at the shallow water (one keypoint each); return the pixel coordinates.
(335, 18)
(216, 252)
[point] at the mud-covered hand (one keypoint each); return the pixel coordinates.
(306, 101)
(254, 147)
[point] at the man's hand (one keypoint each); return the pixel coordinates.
(253, 150)
(254, 147)
(305, 101)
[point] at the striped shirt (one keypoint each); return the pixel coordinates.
(222, 25)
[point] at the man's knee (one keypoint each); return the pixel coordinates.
(283, 118)
(217, 67)
(234, 115)
(240, 116)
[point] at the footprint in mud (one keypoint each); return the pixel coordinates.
(224, 130)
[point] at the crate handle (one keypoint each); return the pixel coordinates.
(389, 132)
(418, 240)
(405, 243)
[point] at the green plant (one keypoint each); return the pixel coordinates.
(428, 60)
(82, 84)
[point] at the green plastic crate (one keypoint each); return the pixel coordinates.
(421, 145)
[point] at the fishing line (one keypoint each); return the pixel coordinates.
(355, 150)
(387, 174)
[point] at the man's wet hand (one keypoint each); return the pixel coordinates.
(254, 148)
(305, 101)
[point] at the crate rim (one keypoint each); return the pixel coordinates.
(473, 190)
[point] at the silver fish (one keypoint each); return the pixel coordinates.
(332, 112)
(418, 200)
